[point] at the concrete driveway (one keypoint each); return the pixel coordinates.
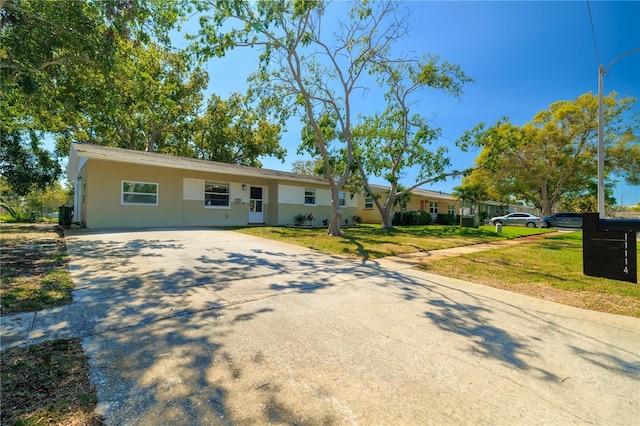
(202, 326)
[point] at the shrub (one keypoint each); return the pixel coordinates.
(356, 219)
(299, 219)
(18, 214)
(446, 219)
(411, 218)
(309, 218)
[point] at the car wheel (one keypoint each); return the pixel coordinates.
(547, 225)
(531, 225)
(498, 222)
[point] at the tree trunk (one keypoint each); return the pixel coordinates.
(385, 212)
(545, 202)
(386, 209)
(334, 225)
(387, 219)
(336, 212)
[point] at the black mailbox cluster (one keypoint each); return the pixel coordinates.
(609, 247)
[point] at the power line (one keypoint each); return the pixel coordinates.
(593, 33)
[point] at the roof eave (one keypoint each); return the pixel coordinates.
(72, 164)
(76, 152)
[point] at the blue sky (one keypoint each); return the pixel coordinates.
(522, 55)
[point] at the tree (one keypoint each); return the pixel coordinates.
(307, 71)
(47, 201)
(53, 56)
(553, 156)
(402, 200)
(624, 156)
(23, 164)
(232, 131)
(46, 44)
(307, 167)
(389, 143)
(586, 200)
(35, 203)
(102, 72)
(474, 193)
(140, 103)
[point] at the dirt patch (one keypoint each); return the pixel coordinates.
(33, 267)
(47, 383)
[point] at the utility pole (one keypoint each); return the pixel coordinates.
(601, 70)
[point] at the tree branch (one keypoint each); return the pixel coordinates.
(56, 61)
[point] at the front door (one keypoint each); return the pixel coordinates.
(256, 214)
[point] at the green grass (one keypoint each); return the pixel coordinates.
(33, 267)
(550, 268)
(7, 218)
(24, 294)
(370, 241)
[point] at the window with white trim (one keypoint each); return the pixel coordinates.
(368, 203)
(433, 207)
(343, 200)
(216, 194)
(451, 209)
(139, 193)
(309, 196)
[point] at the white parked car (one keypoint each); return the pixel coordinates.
(524, 219)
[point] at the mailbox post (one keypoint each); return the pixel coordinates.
(609, 247)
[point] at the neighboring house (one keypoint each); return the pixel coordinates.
(124, 188)
(495, 208)
(433, 202)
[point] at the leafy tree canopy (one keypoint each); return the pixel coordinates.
(103, 72)
(471, 192)
(554, 156)
(46, 43)
(140, 103)
(233, 131)
(391, 142)
(23, 164)
(307, 167)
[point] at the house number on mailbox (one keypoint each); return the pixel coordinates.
(626, 254)
(609, 248)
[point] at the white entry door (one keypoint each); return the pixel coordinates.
(256, 213)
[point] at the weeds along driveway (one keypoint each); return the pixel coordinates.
(202, 326)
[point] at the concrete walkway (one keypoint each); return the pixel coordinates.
(412, 260)
(213, 327)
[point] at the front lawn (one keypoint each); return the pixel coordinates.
(550, 269)
(371, 242)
